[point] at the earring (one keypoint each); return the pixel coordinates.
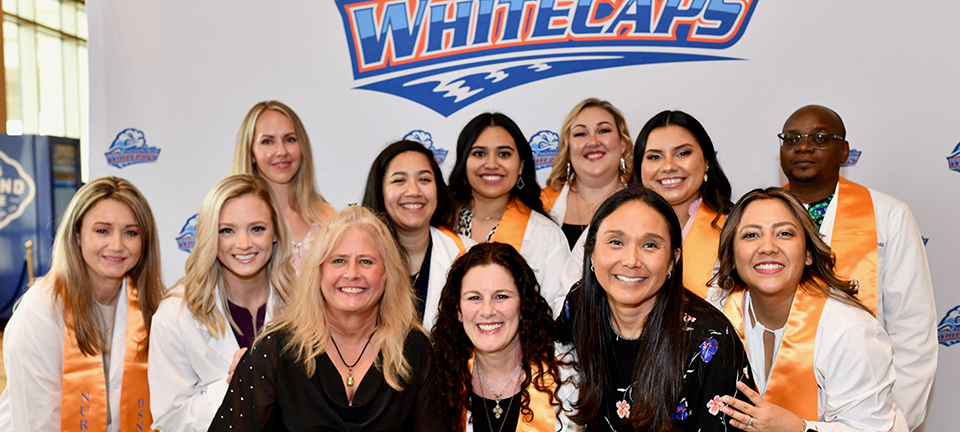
(623, 165)
(591, 268)
(570, 173)
(705, 177)
(670, 274)
(520, 184)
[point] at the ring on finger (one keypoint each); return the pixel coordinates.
(750, 425)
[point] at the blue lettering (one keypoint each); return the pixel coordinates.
(726, 13)
(141, 403)
(484, 15)
(460, 26)
(511, 31)
(82, 414)
(396, 22)
(84, 397)
(640, 17)
(545, 16)
(672, 11)
(580, 18)
(83, 425)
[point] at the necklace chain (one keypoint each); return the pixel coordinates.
(619, 336)
(350, 367)
(497, 411)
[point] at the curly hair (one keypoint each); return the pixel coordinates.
(454, 348)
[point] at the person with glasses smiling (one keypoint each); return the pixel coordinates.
(877, 244)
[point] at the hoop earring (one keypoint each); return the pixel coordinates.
(520, 184)
(623, 165)
(670, 274)
(592, 269)
(570, 173)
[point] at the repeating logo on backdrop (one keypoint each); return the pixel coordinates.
(544, 145)
(130, 147)
(424, 137)
(448, 54)
(953, 160)
(188, 234)
(948, 332)
(17, 190)
(852, 159)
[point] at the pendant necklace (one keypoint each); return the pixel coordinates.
(350, 367)
(497, 411)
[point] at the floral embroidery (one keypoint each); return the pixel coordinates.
(715, 405)
(682, 412)
(707, 349)
(623, 409)
(688, 318)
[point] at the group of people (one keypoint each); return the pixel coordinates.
(630, 293)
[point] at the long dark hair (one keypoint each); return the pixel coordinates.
(817, 278)
(460, 187)
(373, 192)
(716, 190)
(454, 348)
(659, 364)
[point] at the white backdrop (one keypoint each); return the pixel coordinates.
(184, 73)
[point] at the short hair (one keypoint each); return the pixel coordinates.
(69, 271)
(454, 348)
(459, 185)
(304, 198)
(716, 190)
(203, 269)
(373, 192)
(818, 278)
(558, 175)
(305, 317)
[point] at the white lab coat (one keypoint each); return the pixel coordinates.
(444, 253)
(905, 307)
(559, 210)
(188, 366)
(33, 357)
(546, 250)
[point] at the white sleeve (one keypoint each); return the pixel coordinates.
(853, 363)
(556, 248)
(33, 356)
(178, 400)
(909, 313)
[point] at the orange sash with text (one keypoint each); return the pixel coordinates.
(84, 398)
(792, 383)
(700, 250)
(513, 224)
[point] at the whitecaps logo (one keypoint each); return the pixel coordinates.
(188, 234)
(130, 147)
(424, 137)
(17, 190)
(948, 332)
(544, 145)
(852, 159)
(953, 160)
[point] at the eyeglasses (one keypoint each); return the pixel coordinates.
(818, 140)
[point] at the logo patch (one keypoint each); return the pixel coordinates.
(424, 137)
(544, 145)
(852, 159)
(924, 240)
(948, 332)
(448, 54)
(130, 147)
(188, 234)
(17, 190)
(953, 161)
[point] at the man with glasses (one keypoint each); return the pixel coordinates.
(877, 244)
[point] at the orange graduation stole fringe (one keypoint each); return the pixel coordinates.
(700, 250)
(84, 399)
(548, 196)
(792, 384)
(513, 224)
(854, 240)
(456, 239)
(544, 414)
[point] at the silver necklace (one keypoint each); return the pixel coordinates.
(497, 411)
(619, 336)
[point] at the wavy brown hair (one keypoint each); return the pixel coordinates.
(818, 279)
(454, 348)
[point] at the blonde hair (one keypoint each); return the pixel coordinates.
(69, 272)
(305, 318)
(558, 176)
(203, 269)
(304, 197)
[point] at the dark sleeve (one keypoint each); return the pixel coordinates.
(427, 405)
(252, 397)
(716, 361)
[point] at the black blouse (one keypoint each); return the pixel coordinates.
(270, 391)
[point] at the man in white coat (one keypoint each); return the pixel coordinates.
(890, 268)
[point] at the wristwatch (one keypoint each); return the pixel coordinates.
(807, 428)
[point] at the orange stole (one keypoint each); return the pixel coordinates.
(792, 384)
(456, 239)
(83, 405)
(854, 240)
(548, 197)
(544, 414)
(513, 224)
(700, 250)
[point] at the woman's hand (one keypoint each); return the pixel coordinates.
(762, 416)
(236, 360)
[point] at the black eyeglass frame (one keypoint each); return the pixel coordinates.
(811, 139)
